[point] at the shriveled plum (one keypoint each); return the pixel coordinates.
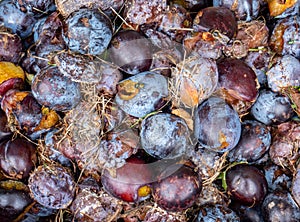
(10, 47)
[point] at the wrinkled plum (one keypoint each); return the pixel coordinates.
(216, 125)
(244, 10)
(246, 184)
(131, 51)
(177, 188)
(284, 73)
(220, 19)
(87, 31)
(164, 135)
(4, 127)
(220, 213)
(91, 206)
(18, 22)
(296, 187)
(142, 93)
(279, 206)
(284, 148)
(10, 47)
(17, 158)
(140, 12)
(123, 185)
(37, 7)
(254, 142)
(50, 88)
(52, 186)
(271, 108)
(278, 178)
(77, 67)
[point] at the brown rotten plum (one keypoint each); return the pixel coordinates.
(130, 182)
(218, 19)
(254, 142)
(131, 51)
(142, 94)
(4, 127)
(87, 31)
(195, 79)
(164, 135)
(237, 83)
(26, 114)
(50, 88)
(177, 188)
(52, 186)
(285, 37)
(217, 125)
(17, 158)
(246, 184)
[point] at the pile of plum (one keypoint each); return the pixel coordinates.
(155, 111)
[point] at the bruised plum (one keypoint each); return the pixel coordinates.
(246, 184)
(87, 31)
(50, 88)
(52, 186)
(217, 126)
(164, 135)
(130, 182)
(142, 94)
(131, 51)
(271, 108)
(177, 188)
(17, 158)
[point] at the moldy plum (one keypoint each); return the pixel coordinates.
(131, 51)
(87, 31)
(52, 186)
(246, 184)
(164, 135)
(17, 158)
(142, 94)
(216, 125)
(177, 188)
(50, 88)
